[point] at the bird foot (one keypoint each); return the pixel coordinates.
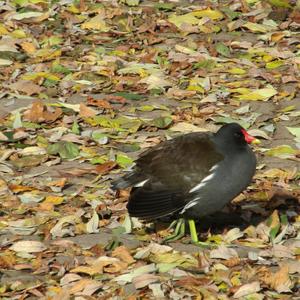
(179, 231)
(203, 245)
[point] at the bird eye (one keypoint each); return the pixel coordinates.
(239, 134)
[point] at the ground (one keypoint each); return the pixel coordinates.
(86, 87)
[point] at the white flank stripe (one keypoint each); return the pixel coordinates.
(140, 184)
(202, 183)
(190, 204)
(213, 168)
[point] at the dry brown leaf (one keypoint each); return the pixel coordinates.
(7, 260)
(78, 171)
(86, 112)
(39, 113)
(100, 265)
(223, 252)
(247, 289)
(27, 87)
(143, 280)
(123, 253)
(180, 94)
(3, 137)
(80, 285)
(99, 103)
(193, 281)
(279, 281)
(35, 114)
(50, 117)
(105, 167)
(58, 183)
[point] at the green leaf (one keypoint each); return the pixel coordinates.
(223, 49)
(164, 6)
(230, 13)
(274, 64)
(207, 64)
(280, 3)
(162, 122)
(65, 149)
(75, 128)
(99, 160)
(282, 151)
(129, 96)
(118, 124)
(100, 137)
(123, 160)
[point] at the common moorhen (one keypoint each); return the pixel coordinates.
(194, 175)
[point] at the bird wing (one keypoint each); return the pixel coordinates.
(168, 172)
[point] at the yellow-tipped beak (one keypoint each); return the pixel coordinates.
(256, 141)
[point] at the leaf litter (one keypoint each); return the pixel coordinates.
(86, 87)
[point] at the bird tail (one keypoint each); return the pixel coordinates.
(126, 181)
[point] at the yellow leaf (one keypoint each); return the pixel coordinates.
(48, 54)
(28, 47)
(73, 9)
(254, 27)
(56, 200)
(183, 19)
(212, 14)
(237, 84)
(3, 30)
(199, 84)
(267, 58)
(237, 71)
(96, 23)
(19, 34)
(241, 90)
(274, 64)
(185, 50)
(33, 76)
(259, 94)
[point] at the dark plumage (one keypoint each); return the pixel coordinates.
(194, 175)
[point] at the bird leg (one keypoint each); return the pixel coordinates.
(194, 235)
(178, 232)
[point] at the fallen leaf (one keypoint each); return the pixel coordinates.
(260, 94)
(99, 103)
(105, 167)
(282, 151)
(280, 281)
(66, 150)
(223, 252)
(96, 23)
(125, 278)
(186, 127)
(143, 280)
(39, 113)
(247, 289)
(93, 224)
(27, 87)
(28, 246)
(86, 111)
(123, 253)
